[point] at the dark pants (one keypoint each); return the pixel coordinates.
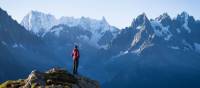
(75, 66)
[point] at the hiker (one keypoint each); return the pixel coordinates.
(75, 56)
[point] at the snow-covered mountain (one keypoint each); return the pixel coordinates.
(41, 23)
(161, 52)
(38, 22)
(98, 29)
(178, 33)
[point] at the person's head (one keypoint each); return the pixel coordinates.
(76, 46)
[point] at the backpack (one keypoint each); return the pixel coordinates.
(76, 53)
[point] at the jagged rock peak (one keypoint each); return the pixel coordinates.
(163, 17)
(140, 20)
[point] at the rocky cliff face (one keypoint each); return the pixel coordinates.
(53, 78)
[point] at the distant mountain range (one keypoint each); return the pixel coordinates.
(156, 53)
(159, 53)
(42, 24)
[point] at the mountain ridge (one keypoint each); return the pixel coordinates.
(41, 23)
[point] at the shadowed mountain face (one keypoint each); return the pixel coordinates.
(20, 50)
(161, 54)
(156, 53)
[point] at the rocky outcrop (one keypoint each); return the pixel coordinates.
(53, 78)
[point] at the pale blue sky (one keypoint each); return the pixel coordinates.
(119, 13)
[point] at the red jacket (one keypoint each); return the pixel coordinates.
(75, 54)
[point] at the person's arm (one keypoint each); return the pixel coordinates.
(72, 53)
(78, 54)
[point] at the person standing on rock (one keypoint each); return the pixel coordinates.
(75, 56)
